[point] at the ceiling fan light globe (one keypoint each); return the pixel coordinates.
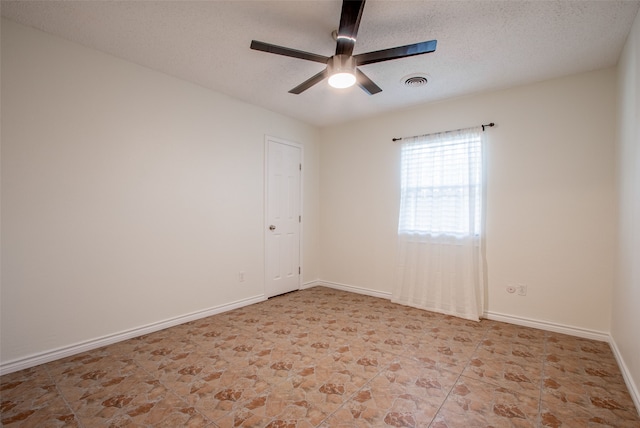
(342, 80)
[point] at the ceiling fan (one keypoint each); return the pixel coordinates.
(342, 68)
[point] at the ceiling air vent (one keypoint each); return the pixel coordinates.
(414, 81)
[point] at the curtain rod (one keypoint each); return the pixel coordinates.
(488, 125)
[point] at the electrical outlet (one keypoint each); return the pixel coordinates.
(522, 290)
(241, 276)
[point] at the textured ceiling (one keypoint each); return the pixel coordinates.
(482, 45)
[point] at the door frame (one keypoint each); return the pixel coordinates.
(265, 221)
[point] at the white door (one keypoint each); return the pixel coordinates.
(283, 216)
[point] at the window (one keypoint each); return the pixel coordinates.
(441, 185)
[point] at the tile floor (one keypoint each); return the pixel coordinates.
(327, 358)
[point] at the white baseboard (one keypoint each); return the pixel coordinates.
(353, 289)
(628, 379)
(510, 319)
(549, 326)
(310, 284)
(66, 351)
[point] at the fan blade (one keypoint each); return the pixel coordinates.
(395, 53)
(294, 53)
(349, 23)
(310, 82)
(367, 84)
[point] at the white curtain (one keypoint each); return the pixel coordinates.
(440, 265)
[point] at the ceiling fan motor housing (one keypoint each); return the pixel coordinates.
(342, 71)
(341, 64)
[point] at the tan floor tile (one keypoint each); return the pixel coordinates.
(405, 394)
(487, 404)
(290, 402)
(77, 380)
(444, 353)
(500, 331)
(598, 410)
(30, 398)
(518, 373)
(140, 400)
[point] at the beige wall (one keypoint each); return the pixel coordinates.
(625, 325)
(551, 197)
(129, 197)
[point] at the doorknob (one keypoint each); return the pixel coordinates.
(272, 227)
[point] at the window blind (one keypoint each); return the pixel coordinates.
(441, 184)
